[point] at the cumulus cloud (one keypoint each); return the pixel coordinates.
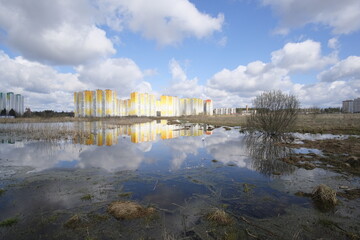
(63, 32)
(302, 56)
(121, 74)
(46, 88)
(324, 94)
(239, 86)
(167, 22)
(342, 17)
(43, 86)
(347, 69)
(182, 86)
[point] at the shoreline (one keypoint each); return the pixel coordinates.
(311, 123)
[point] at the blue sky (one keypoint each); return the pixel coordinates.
(229, 51)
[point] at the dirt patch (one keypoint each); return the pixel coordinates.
(129, 210)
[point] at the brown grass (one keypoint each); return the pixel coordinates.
(324, 197)
(217, 120)
(311, 123)
(219, 217)
(129, 210)
(328, 123)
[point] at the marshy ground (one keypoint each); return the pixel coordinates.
(219, 184)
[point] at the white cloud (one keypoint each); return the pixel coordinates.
(46, 88)
(182, 86)
(167, 22)
(342, 16)
(302, 56)
(62, 32)
(347, 69)
(333, 43)
(323, 94)
(251, 79)
(120, 74)
(42, 85)
(237, 87)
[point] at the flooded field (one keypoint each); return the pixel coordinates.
(160, 181)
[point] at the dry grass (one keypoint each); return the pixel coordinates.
(129, 210)
(219, 217)
(42, 131)
(328, 123)
(217, 120)
(312, 123)
(324, 197)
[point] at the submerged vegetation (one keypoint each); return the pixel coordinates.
(129, 210)
(220, 217)
(8, 222)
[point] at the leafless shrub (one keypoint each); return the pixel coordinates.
(275, 112)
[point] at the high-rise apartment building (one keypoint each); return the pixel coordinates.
(101, 103)
(13, 101)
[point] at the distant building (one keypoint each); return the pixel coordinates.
(208, 107)
(102, 103)
(351, 106)
(224, 111)
(10, 101)
(356, 105)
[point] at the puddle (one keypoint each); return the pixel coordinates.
(182, 171)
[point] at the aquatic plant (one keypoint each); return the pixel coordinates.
(219, 217)
(129, 210)
(8, 222)
(324, 197)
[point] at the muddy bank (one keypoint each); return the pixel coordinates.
(339, 155)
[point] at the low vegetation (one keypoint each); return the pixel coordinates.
(129, 210)
(219, 217)
(276, 112)
(8, 222)
(324, 197)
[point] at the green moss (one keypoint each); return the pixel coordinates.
(248, 187)
(8, 222)
(87, 197)
(125, 194)
(2, 191)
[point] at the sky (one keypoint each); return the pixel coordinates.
(229, 51)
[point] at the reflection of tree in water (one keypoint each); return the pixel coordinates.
(266, 153)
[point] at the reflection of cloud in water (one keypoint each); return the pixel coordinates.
(227, 147)
(123, 156)
(181, 148)
(40, 155)
(144, 146)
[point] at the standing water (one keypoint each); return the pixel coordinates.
(187, 181)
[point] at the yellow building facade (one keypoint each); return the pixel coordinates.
(104, 103)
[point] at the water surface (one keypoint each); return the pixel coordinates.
(184, 171)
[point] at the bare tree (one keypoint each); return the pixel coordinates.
(275, 112)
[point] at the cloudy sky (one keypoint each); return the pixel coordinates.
(228, 50)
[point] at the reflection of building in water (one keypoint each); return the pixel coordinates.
(97, 133)
(101, 103)
(11, 140)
